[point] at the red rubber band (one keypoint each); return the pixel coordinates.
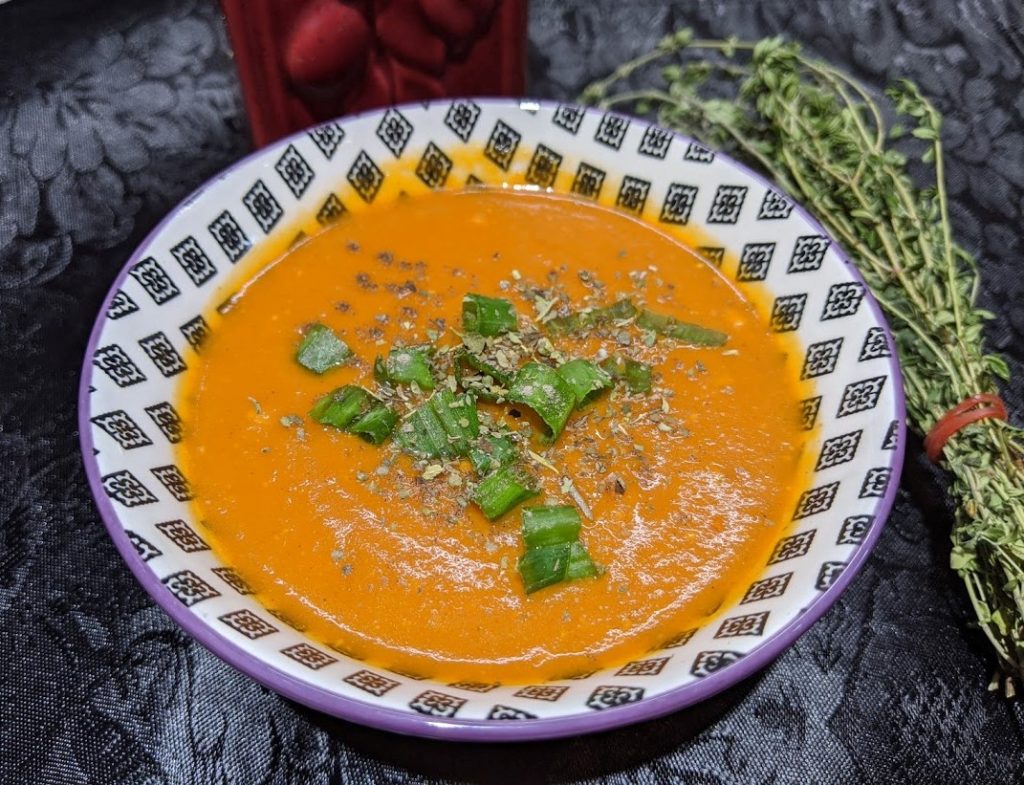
(977, 407)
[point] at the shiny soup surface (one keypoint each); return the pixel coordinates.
(685, 488)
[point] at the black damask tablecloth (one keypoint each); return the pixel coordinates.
(110, 112)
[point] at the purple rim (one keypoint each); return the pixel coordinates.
(402, 722)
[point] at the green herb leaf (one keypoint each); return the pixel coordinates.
(405, 366)
(320, 349)
(340, 408)
(488, 316)
(577, 322)
(587, 380)
(543, 567)
(504, 489)
(670, 327)
(541, 388)
(445, 426)
(492, 452)
(376, 425)
(553, 525)
(636, 375)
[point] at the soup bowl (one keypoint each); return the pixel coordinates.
(167, 299)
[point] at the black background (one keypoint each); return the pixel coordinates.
(110, 112)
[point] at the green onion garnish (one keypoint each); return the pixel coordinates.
(444, 427)
(504, 489)
(541, 388)
(586, 379)
(636, 375)
(376, 425)
(342, 407)
(618, 311)
(320, 349)
(488, 316)
(487, 382)
(555, 525)
(671, 327)
(542, 567)
(492, 452)
(405, 366)
(580, 563)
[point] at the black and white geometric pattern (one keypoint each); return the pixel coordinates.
(808, 253)
(328, 137)
(609, 697)
(126, 489)
(394, 131)
(142, 546)
(541, 692)
(229, 236)
(837, 450)
(262, 205)
(296, 173)
(437, 704)
(748, 624)
(194, 261)
(174, 481)
(633, 194)
(875, 345)
(121, 305)
(502, 144)
(189, 588)
(365, 177)
(195, 331)
(371, 682)
(651, 667)
(232, 579)
(774, 207)
(792, 547)
(568, 117)
(182, 535)
(843, 300)
(787, 311)
(707, 662)
(678, 204)
(330, 211)
(122, 429)
(698, 154)
(767, 588)
(816, 500)
(161, 351)
(754, 261)
(167, 420)
(543, 167)
(588, 182)
(891, 439)
(434, 166)
(821, 358)
(725, 209)
(876, 482)
(809, 408)
(310, 656)
(248, 624)
(828, 574)
(612, 130)
(861, 396)
(113, 361)
(655, 142)
(854, 529)
(157, 283)
(500, 712)
(461, 118)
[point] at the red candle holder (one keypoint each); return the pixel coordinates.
(304, 61)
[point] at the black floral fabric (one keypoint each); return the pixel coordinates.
(111, 112)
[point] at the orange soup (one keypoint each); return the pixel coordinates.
(380, 553)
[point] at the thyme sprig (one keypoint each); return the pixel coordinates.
(823, 137)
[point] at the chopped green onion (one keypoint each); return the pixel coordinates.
(492, 452)
(320, 349)
(618, 311)
(586, 379)
(376, 425)
(636, 375)
(488, 315)
(580, 563)
(541, 388)
(546, 566)
(342, 407)
(443, 427)
(671, 327)
(504, 489)
(405, 366)
(555, 525)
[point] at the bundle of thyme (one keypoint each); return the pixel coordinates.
(823, 137)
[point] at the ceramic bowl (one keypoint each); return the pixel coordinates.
(165, 301)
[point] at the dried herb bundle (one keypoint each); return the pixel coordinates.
(823, 137)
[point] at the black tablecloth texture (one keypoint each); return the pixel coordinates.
(111, 111)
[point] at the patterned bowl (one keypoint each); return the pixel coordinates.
(165, 301)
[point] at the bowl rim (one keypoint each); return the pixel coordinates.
(407, 723)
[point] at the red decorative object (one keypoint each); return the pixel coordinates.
(977, 407)
(303, 61)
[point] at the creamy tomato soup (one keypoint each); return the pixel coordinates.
(681, 490)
